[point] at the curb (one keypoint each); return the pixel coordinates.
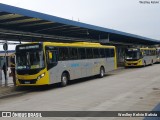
(11, 92)
(7, 95)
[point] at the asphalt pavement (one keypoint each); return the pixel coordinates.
(132, 89)
(9, 90)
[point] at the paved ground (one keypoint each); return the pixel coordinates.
(9, 90)
(135, 89)
(2, 82)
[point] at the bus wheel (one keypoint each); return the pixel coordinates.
(144, 63)
(64, 79)
(152, 62)
(101, 74)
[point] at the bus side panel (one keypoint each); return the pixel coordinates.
(154, 59)
(148, 59)
(64, 66)
(97, 64)
(72, 67)
(83, 68)
(75, 70)
(110, 64)
(90, 66)
(54, 74)
(80, 68)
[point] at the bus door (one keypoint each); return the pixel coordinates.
(52, 65)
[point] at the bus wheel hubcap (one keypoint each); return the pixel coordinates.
(64, 79)
(102, 72)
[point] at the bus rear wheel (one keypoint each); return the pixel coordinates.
(144, 63)
(64, 79)
(152, 62)
(101, 74)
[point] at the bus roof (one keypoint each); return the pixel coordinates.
(143, 48)
(148, 48)
(78, 44)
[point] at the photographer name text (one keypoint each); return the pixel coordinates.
(149, 2)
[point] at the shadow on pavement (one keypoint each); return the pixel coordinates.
(57, 85)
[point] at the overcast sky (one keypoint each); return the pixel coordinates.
(129, 16)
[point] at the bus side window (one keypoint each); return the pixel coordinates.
(81, 53)
(89, 53)
(102, 52)
(144, 53)
(73, 53)
(63, 53)
(96, 53)
(149, 52)
(112, 52)
(107, 52)
(152, 53)
(52, 56)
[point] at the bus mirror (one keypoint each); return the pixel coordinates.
(143, 54)
(50, 55)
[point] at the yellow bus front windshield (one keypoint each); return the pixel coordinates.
(133, 55)
(30, 60)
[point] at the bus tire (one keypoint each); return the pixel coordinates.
(64, 79)
(144, 63)
(101, 73)
(152, 62)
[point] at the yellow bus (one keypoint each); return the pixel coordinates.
(158, 55)
(140, 56)
(50, 62)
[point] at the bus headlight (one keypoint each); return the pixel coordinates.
(40, 76)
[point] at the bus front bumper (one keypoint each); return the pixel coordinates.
(32, 80)
(133, 63)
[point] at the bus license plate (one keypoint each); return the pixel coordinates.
(27, 82)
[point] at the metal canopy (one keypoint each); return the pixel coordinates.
(25, 25)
